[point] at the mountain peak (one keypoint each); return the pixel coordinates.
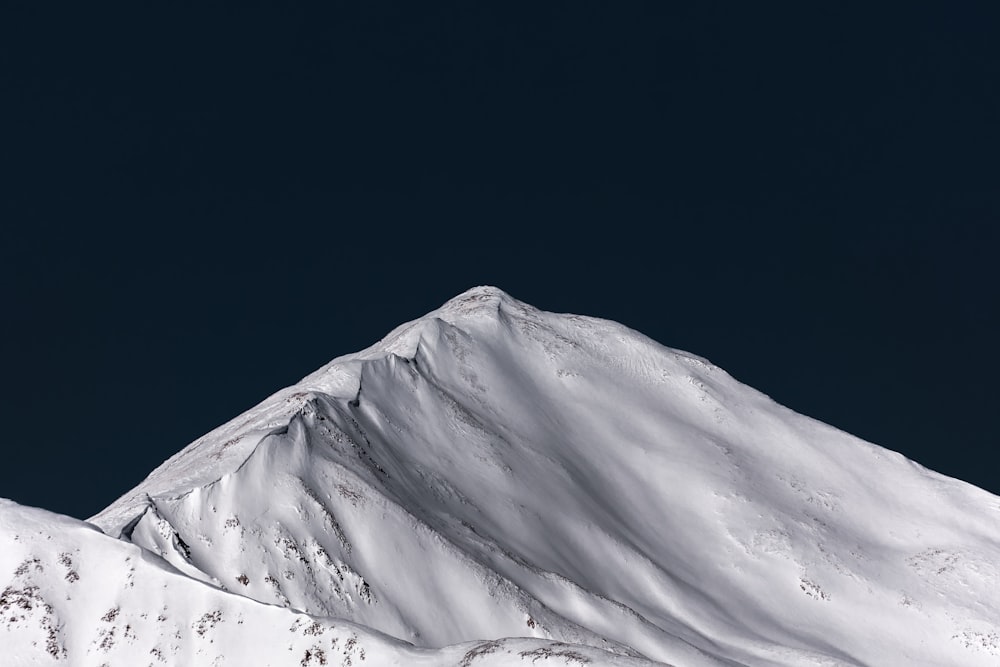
(481, 292)
(563, 478)
(480, 300)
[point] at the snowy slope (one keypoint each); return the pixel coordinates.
(493, 471)
(76, 596)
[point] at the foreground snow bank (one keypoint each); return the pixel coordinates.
(74, 596)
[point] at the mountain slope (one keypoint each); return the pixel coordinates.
(491, 470)
(76, 596)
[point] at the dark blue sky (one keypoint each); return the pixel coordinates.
(201, 206)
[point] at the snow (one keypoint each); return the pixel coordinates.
(76, 596)
(559, 487)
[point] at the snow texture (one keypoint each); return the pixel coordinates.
(496, 485)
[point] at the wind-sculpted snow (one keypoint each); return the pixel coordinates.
(492, 472)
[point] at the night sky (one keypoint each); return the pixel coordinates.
(201, 206)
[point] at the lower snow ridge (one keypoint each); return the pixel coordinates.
(78, 597)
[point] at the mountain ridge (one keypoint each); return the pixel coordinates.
(566, 478)
(332, 378)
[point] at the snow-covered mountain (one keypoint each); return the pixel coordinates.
(494, 484)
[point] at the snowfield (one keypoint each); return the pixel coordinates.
(496, 485)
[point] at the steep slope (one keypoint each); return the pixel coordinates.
(491, 470)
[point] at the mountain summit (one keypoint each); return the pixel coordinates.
(494, 484)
